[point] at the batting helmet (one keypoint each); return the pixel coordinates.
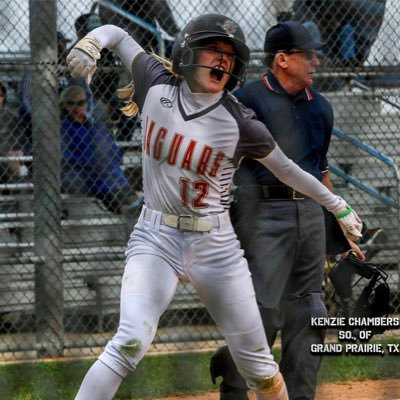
(203, 29)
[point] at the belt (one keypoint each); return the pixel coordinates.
(273, 192)
(184, 222)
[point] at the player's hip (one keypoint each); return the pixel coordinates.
(211, 240)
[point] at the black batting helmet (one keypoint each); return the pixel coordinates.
(205, 28)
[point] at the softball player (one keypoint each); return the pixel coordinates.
(194, 137)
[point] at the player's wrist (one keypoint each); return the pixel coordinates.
(344, 213)
(90, 45)
(340, 206)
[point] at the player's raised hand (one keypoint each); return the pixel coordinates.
(349, 220)
(81, 60)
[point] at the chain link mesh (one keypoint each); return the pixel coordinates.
(71, 192)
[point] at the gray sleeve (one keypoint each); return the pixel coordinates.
(255, 140)
(116, 39)
(148, 72)
(292, 175)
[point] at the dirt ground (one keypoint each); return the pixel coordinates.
(364, 390)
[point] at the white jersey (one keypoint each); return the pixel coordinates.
(189, 158)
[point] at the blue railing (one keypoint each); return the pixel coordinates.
(158, 33)
(374, 193)
(376, 154)
(371, 191)
(361, 145)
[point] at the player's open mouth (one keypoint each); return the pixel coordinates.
(217, 73)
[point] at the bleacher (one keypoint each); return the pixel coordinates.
(93, 244)
(94, 240)
(362, 116)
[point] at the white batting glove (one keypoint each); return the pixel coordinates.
(81, 60)
(348, 219)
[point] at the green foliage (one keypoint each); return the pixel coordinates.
(159, 376)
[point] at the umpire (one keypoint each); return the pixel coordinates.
(282, 231)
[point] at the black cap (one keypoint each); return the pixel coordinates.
(289, 35)
(62, 38)
(86, 23)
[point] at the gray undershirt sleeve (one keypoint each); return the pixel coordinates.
(292, 175)
(116, 39)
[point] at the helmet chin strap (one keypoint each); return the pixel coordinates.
(188, 61)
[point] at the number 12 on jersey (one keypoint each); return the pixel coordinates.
(199, 187)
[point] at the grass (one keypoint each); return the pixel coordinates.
(360, 367)
(159, 376)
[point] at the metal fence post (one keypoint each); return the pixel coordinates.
(46, 177)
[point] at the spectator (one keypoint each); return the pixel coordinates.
(86, 23)
(91, 159)
(10, 144)
(158, 14)
(282, 231)
(62, 50)
(104, 83)
(25, 92)
(106, 106)
(349, 27)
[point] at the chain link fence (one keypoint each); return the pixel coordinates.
(70, 162)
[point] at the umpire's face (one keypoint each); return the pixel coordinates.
(298, 66)
(215, 62)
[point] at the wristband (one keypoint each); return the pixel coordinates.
(348, 211)
(90, 45)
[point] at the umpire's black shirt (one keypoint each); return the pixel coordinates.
(300, 124)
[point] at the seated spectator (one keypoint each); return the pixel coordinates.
(106, 106)
(156, 13)
(10, 144)
(348, 27)
(104, 83)
(25, 92)
(91, 162)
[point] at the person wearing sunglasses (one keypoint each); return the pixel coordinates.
(349, 27)
(92, 161)
(281, 230)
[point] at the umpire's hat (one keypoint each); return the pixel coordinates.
(289, 35)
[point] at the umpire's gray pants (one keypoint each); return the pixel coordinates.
(284, 242)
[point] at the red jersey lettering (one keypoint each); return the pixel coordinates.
(158, 144)
(204, 159)
(174, 149)
(217, 163)
(147, 138)
(187, 158)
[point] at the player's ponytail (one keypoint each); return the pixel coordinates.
(130, 109)
(126, 93)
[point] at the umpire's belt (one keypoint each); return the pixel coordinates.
(271, 192)
(186, 222)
